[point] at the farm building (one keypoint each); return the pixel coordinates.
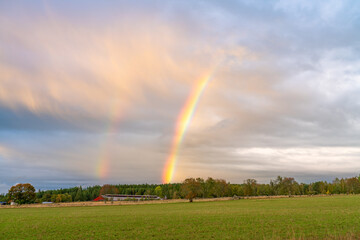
(122, 197)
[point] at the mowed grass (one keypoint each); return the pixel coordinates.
(332, 217)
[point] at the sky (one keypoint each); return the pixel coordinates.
(95, 92)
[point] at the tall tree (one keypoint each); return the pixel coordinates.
(79, 195)
(22, 193)
(191, 188)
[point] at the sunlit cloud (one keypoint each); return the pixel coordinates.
(81, 90)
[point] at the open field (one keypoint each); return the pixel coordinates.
(278, 218)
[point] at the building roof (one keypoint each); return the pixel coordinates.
(99, 198)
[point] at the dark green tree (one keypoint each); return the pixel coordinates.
(79, 195)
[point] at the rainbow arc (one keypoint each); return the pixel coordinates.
(182, 124)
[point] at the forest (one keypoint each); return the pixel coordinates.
(199, 188)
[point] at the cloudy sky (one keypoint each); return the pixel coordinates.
(91, 91)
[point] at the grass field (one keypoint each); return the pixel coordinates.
(333, 217)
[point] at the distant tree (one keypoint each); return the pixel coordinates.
(62, 198)
(237, 190)
(67, 197)
(147, 192)
(209, 189)
(59, 198)
(202, 187)
(175, 195)
(285, 186)
(22, 193)
(221, 188)
(289, 186)
(191, 188)
(303, 189)
(250, 187)
(353, 185)
(79, 195)
(263, 190)
(109, 189)
(343, 186)
(3, 198)
(318, 187)
(158, 191)
(46, 197)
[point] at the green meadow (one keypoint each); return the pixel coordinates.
(333, 217)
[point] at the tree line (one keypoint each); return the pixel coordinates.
(190, 188)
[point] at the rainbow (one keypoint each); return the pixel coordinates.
(182, 124)
(103, 165)
(102, 169)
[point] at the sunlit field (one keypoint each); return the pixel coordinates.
(331, 217)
